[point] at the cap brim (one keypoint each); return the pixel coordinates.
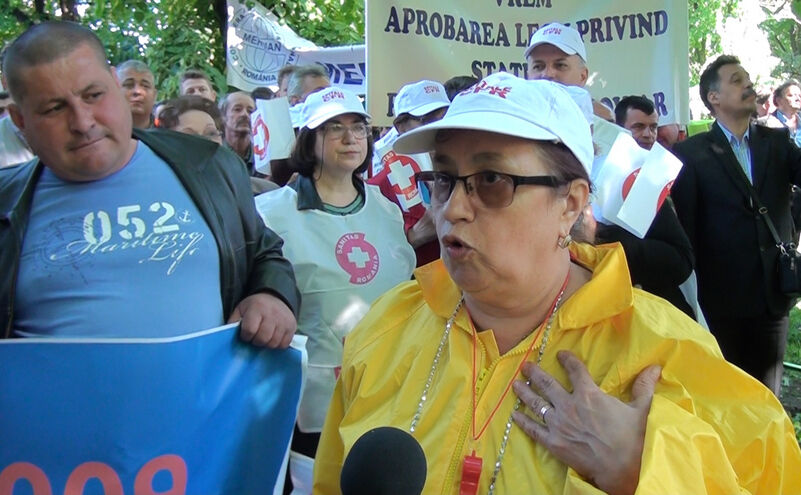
(423, 138)
(428, 107)
(321, 119)
(568, 50)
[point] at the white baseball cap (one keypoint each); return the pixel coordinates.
(295, 115)
(583, 99)
(562, 37)
(327, 104)
(420, 98)
(502, 103)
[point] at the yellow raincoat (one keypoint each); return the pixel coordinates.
(712, 429)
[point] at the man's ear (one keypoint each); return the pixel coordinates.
(114, 75)
(16, 116)
(713, 97)
(585, 74)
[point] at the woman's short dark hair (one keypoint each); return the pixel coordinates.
(566, 167)
(561, 161)
(173, 109)
(304, 161)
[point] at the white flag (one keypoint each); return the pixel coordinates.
(615, 172)
(651, 186)
(273, 136)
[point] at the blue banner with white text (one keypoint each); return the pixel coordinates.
(198, 414)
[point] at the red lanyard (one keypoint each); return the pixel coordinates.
(471, 466)
(519, 367)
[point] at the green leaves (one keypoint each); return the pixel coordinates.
(173, 35)
(784, 35)
(704, 38)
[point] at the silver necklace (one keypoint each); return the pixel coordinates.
(508, 429)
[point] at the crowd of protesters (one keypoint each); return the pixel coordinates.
(509, 259)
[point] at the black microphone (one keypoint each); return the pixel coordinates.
(384, 461)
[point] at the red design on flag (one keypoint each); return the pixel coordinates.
(663, 195)
(628, 182)
(261, 138)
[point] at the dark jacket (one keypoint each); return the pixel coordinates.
(734, 252)
(659, 262)
(250, 254)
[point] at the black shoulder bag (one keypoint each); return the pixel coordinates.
(788, 266)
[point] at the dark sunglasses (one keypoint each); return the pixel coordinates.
(494, 189)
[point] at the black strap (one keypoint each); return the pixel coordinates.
(763, 212)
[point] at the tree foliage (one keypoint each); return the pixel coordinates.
(704, 17)
(325, 22)
(783, 28)
(172, 35)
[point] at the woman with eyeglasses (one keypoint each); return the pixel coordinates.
(200, 117)
(345, 241)
(524, 363)
(192, 115)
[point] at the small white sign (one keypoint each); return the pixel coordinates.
(273, 136)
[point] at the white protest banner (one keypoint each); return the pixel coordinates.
(650, 189)
(632, 47)
(345, 65)
(273, 136)
(258, 46)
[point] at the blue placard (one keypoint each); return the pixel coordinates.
(200, 414)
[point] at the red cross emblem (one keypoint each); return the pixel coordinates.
(261, 137)
(401, 176)
(357, 257)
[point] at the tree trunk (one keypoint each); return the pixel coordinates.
(221, 9)
(68, 10)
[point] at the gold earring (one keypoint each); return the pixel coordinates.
(564, 242)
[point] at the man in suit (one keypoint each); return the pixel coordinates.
(735, 252)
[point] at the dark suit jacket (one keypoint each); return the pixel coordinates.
(734, 252)
(660, 261)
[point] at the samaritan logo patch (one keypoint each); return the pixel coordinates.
(401, 176)
(357, 257)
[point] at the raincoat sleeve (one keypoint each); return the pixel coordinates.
(713, 429)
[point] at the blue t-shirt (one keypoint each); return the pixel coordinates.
(129, 255)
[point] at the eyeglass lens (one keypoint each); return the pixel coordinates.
(336, 131)
(493, 189)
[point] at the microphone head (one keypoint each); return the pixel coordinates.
(384, 461)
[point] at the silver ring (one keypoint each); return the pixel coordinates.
(543, 411)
